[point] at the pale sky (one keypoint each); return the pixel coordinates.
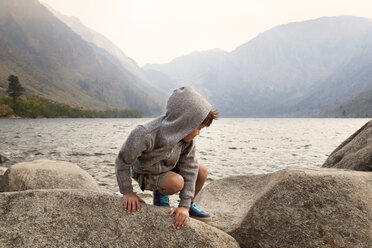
(157, 31)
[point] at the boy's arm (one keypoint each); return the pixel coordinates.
(137, 142)
(188, 166)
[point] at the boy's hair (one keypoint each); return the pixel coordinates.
(213, 115)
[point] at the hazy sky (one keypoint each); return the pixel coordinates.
(156, 31)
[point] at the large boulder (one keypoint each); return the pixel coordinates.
(47, 174)
(80, 218)
(294, 207)
(354, 153)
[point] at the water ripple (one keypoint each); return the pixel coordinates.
(228, 147)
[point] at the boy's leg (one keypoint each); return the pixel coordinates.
(194, 211)
(172, 183)
(200, 180)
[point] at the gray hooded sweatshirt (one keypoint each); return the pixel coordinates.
(157, 146)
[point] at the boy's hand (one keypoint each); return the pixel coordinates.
(132, 202)
(181, 218)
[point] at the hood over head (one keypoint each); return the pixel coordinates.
(186, 110)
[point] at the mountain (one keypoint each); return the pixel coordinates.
(162, 82)
(99, 40)
(294, 70)
(54, 62)
(196, 69)
(209, 72)
(358, 107)
(352, 78)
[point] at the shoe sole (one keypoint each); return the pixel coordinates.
(202, 219)
(167, 208)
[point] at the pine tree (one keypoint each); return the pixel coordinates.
(15, 90)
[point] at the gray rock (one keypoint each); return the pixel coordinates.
(47, 174)
(81, 218)
(2, 171)
(355, 153)
(294, 207)
(3, 159)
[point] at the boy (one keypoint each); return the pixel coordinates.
(160, 156)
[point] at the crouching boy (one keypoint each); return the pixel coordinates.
(160, 156)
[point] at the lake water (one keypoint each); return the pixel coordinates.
(228, 147)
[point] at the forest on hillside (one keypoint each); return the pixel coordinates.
(37, 107)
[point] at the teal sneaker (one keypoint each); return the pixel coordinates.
(198, 214)
(160, 199)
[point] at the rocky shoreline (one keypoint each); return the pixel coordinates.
(56, 203)
(48, 203)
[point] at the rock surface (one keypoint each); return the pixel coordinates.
(82, 218)
(294, 207)
(3, 159)
(47, 174)
(354, 153)
(2, 171)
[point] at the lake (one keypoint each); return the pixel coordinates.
(228, 147)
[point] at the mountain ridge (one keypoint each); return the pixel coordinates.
(270, 74)
(358, 107)
(98, 39)
(299, 69)
(54, 62)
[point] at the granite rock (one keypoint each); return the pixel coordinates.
(294, 207)
(83, 218)
(2, 172)
(354, 153)
(47, 174)
(3, 159)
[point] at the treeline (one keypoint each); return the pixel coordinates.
(37, 107)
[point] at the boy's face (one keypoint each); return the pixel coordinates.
(193, 134)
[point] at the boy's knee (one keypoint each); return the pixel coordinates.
(174, 183)
(178, 183)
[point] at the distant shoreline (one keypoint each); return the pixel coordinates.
(39, 118)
